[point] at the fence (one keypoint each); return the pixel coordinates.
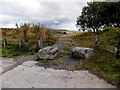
(5, 42)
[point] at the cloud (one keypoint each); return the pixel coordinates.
(54, 14)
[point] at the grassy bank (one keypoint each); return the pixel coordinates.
(102, 63)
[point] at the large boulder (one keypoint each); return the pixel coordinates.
(48, 52)
(81, 52)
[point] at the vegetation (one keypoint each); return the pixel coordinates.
(42, 60)
(57, 63)
(102, 61)
(110, 37)
(64, 33)
(15, 51)
(64, 53)
(85, 39)
(30, 34)
(104, 19)
(99, 14)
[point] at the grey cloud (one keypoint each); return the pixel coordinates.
(35, 11)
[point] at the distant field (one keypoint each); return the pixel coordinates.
(72, 32)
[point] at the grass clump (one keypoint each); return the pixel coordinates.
(57, 63)
(42, 60)
(64, 53)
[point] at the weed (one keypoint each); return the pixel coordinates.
(57, 63)
(64, 53)
(42, 60)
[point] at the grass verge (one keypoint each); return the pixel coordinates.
(15, 51)
(104, 63)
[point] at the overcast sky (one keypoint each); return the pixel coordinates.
(60, 14)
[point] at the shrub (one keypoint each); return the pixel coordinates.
(64, 33)
(110, 35)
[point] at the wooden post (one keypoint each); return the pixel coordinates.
(117, 51)
(40, 42)
(4, 42)
(19, 42)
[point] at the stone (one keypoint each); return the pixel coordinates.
(81, 52)
(48, 52)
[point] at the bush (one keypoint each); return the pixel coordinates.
(64, 33)
(110, 35)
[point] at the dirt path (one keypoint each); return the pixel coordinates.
(31, 74)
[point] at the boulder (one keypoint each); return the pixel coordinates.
(81, 52)
(48, 52)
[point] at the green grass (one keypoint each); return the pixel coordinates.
(57, 63)
(15, 51)
(83, 40)
(42, 60)
(103, 62)
(64, 53)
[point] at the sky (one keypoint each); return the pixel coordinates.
(57, 14)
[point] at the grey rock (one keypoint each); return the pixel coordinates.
(48, 52)
(81, 52)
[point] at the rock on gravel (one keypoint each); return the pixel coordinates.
(5, 62)
(28, 75)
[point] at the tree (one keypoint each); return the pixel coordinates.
(99, 14)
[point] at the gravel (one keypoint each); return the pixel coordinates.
(28, 75)
(10, 63)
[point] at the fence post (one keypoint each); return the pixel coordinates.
(117, 51)
(19, 42)
(40, 42)
(4, 42)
